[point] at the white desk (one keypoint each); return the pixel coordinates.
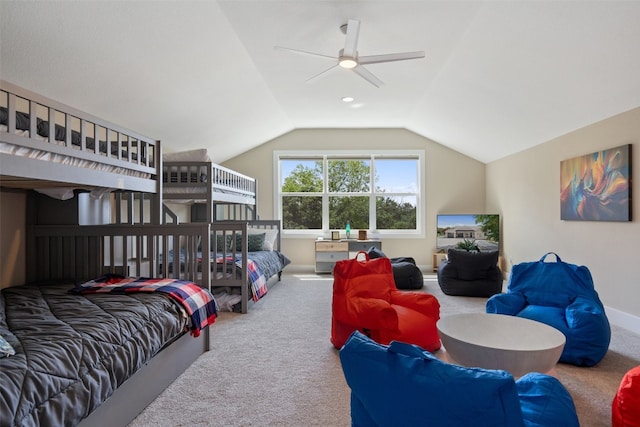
(496, 341)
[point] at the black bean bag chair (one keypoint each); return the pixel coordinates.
(471, 274)
(406, 273)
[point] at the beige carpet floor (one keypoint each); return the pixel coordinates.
(275, 366)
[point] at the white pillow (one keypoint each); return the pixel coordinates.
(199, 155)
(270, 236)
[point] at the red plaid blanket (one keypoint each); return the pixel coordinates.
(198, 302)
(257, 278)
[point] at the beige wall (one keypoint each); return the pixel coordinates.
(525, 189)
(454, 182)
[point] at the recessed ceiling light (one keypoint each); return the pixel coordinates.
(347, 99)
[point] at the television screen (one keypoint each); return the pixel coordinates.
(483, 230)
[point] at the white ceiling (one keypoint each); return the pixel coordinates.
(498, 76)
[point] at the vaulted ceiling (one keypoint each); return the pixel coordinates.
(497, 78)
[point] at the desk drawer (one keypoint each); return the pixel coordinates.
(327, 246)
(331, 256)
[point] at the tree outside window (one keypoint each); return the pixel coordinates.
(370, 192)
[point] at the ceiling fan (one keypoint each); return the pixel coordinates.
(349, 59)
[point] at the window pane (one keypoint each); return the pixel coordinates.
(346, 187)
(349, 176)
(301, 176)
(302, 212)
(396, 213)
(354, 209)
(397, 175)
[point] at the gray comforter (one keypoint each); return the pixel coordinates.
(73, 351)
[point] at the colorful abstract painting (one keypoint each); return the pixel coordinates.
(597, 186)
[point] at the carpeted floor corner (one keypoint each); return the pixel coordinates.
(275, 366)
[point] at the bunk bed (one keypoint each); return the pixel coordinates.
(108, 382)
(85, 152)
(227, 200)
(191, 177)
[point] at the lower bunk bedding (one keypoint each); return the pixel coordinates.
(74, 348)
(236, 279)
(261, 267)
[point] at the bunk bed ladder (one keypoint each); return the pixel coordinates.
(169, 216)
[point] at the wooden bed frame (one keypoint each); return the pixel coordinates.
(87, 252)
(227, 200)
(128, 162)
(135, 394)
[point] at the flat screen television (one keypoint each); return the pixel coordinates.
(455, 228)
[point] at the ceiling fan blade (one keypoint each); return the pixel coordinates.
(390, 57)
(320, 74)
(304, 52)
(368, 76)
(351, 42)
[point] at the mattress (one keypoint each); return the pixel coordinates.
(37, 154)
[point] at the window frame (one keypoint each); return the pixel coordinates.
(373, 232)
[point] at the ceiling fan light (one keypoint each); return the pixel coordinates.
(346, 62)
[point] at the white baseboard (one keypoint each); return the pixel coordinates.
(623, 320)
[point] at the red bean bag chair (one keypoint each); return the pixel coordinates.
(625, 409)
(374, 306)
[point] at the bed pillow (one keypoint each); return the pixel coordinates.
(199, 155)
(43, 130)
(270, 236)
(5, 348)
(219, 243)
(255, 242)
(4, 116)
(22, 119)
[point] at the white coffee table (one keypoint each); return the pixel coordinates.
(496, 341)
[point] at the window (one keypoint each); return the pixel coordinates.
(317, 193)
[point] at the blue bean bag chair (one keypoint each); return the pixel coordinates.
(561, 295)
(404, 385)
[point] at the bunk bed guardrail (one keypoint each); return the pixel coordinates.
(86, 252)
(34, 128)
(192, 180)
